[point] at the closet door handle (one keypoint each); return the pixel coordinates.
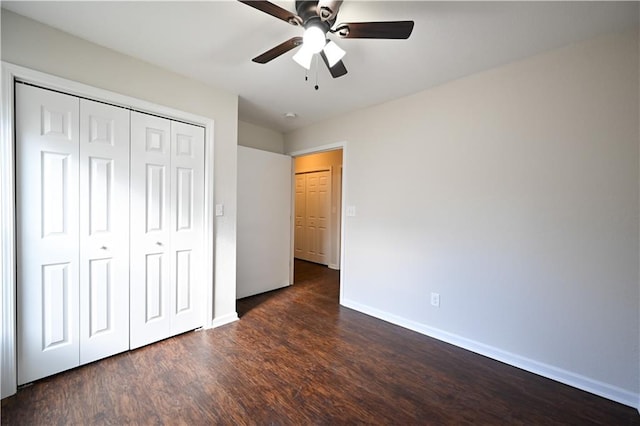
(158, 243)
(103, 248)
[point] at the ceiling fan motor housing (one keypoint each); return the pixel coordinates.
(308, 12)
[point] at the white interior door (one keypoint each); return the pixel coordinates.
(313, 209)
(104, 230)
(264, 221)
(299, 236)
(187, 224)
(47, 170)
(150, 288)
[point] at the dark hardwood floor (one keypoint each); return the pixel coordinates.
(297, 357)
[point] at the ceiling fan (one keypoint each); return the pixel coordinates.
(319, 19)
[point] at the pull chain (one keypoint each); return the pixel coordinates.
(316, 60)
(315, 64)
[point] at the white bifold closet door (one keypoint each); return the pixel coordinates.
(72, 185)
(312, 240)
(104, 230)
(167, 241)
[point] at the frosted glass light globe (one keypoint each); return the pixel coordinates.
(334, 53)
(304, 57)
(313, 39)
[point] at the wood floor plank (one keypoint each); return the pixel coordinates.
(297, 358)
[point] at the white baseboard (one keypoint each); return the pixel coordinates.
(225, 319)
(334, 266)
(560, 375)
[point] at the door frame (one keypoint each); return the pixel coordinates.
(11, 73)
(343, 197)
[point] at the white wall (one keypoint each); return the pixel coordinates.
(258, 137)
(30, 44)
(514, 194)
(264, 221)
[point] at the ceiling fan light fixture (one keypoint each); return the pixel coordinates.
(334, 53)
(314, 39)
(303, 57)
(318, 19)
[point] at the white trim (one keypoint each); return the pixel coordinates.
(341, 175)
(317, 149)
(10, 73)
(292, 220)
(223, 320)
(336, 256)
(209, 223)
(8, 366)
(563, 376)
(343, 222)
(343, 225)
(330, 221)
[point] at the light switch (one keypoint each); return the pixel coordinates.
(219, 209)
(351, 211)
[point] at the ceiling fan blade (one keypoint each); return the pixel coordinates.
(278, 50)
(328, 9)
(388, 30)
(274, 10)
(338, 70)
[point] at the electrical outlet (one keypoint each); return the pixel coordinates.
(435, 299)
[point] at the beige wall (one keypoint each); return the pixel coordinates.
(330, 160)
(319, 161)
(30, 44)
(514, 193)
(258, 137)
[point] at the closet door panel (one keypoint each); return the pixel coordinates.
(47, 232)
(187, 221)
(313, 207)
(312, 220)
(104, 230)
(323, 211)
(150, 287)
(300, 240)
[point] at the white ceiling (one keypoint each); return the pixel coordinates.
(214, 41)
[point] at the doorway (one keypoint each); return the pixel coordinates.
(265, 241)
(317, 208)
